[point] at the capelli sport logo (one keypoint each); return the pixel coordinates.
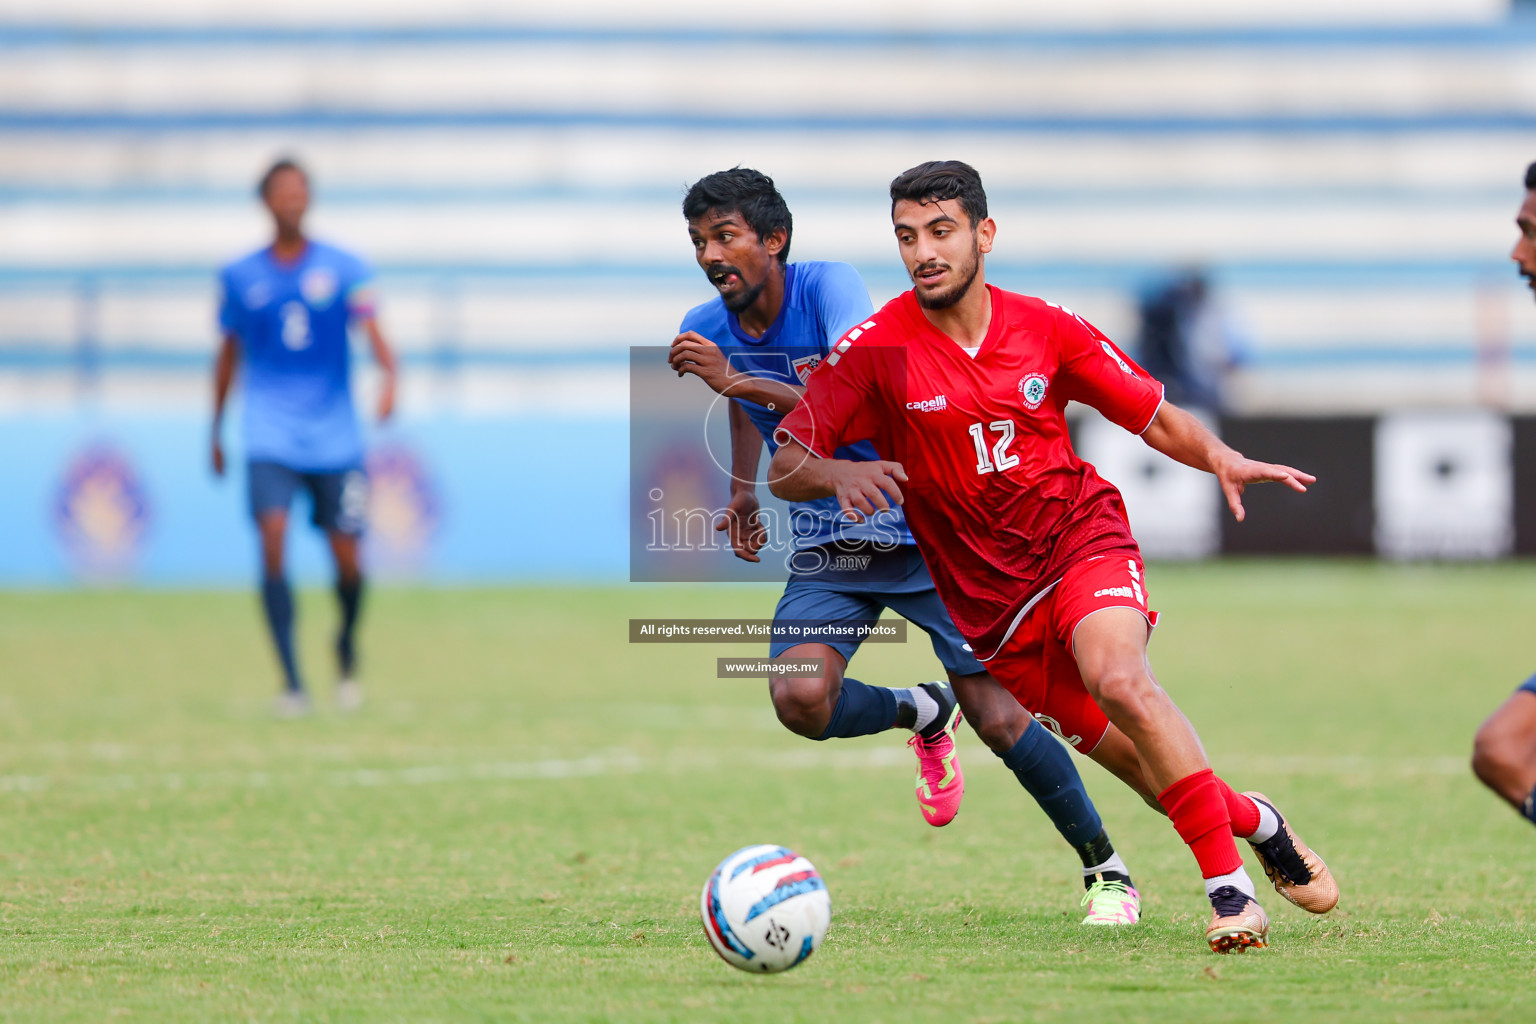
(1033, 387)
(936, 404)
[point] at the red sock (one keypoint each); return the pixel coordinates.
(1241, 809)
(1198, 811)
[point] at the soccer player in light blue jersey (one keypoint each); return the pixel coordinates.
(286, 311)
(772, 323)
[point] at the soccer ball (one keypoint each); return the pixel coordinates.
(765, 909)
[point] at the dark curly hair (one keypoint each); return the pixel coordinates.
(747, 192)
(938, 180)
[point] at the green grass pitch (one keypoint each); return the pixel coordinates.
(518, 824)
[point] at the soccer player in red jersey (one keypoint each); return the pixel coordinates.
(963, 387)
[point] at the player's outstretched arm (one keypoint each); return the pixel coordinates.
(385, 357)
(861, 488)
(223, 377)
(1181, 436)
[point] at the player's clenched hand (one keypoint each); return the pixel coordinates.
(693, 353)
(1236, 473)
(743, 526)
(863, 487)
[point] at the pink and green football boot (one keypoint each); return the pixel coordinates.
(940, 782)
(1111, 902)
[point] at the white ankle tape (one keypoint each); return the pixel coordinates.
(927, 708)
(1238, 880)
(1113, 864)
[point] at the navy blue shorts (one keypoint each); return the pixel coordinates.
(1529, 686)
(896, 579)
(339, 499)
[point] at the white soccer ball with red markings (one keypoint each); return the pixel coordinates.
(765, 909)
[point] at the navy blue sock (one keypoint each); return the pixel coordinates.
(277, 600)
(1046, 770)
(861, 710)
(350, 594)
(1530, 807)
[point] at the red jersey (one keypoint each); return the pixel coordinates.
(998, 501)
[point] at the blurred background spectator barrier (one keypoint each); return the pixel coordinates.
(1345, 175)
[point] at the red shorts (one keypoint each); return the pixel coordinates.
(1036, 663)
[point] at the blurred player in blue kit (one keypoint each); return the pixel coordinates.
(285, 313)
(756, 343)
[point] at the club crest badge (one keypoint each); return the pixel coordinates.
(805, 366)
(1033, 387)
(319, 286)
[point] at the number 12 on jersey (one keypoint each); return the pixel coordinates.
(999, 458)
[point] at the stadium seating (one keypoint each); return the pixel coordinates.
(1347, 172)
(1350, 188)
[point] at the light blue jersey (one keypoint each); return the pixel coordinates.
(291, 320)
(822, 301)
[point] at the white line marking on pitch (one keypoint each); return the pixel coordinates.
(624, 762)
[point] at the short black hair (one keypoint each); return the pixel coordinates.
(938, 180)
(747, 192)
(278, 167)
(1530, 177)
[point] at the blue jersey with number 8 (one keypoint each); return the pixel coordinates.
(291, 321)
